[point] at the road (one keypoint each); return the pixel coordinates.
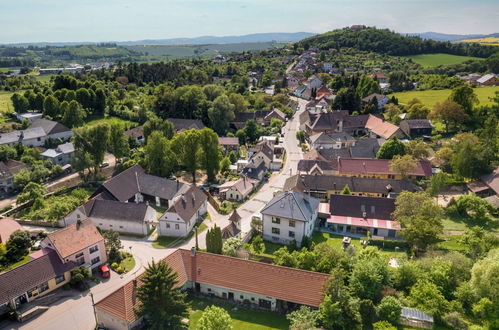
(77, 312)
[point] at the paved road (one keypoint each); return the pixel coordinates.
(77, 312)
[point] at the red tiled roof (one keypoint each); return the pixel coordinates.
(378, 166)
(228, 141)
(294, 285)
(7, 227)
(380, 127)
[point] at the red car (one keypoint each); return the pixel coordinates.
(104, 271)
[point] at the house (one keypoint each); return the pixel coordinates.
(324, 186)
(237, 190)
(255, 169)
(8, 169)
(53, 130)
(78, 245)
(314, 82)
(316, 167)
(29, 116)
(380, 99)
(289, 216)
(416, 127)
(181, 124)
(380, 128)
(487, 186)
(358, 215)
(61, 155)
(36, 135)
(275, 114)
(233, 229)
(263, 150)
(241, 118)
(336, 140)
(366, 147)
(327, 66)
(490, 79)
(134, 185)
(183, 214)
(136, 134)
(229, 144)
(258, 284)
(125, 218)
(380, 168)
(380, 77)
(7, 227)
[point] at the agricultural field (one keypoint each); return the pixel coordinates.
(490, 41)
(430, 97)
(5, 102)
(431, 60)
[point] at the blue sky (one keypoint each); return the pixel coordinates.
(122, 20)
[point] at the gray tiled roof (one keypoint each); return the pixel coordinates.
(188, 203)
(114, 210)
(49, 126)
(380, 208)
(292, 205)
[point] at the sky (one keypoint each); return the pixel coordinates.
(128, 20)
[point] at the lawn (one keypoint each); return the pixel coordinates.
(431, 60)
(94, 120)
(128, 263)
(5, 102)
(163, 242)
(451, 243)
(454, 222)
(430, 97)
(242, 318)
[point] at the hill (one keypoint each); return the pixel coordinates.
(388, 42)
(450, 37)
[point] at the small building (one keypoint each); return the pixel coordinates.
(275, 114)
(61, 155)
(29, 116)
(314, 82)
(36, 135)
(289, 216)
(380, 128)
(256, 170)
(381, 100)
(229, 144)
(233, 229)
(490, 79)
(181, 124)
(316, 167)
(336, 140)
(7, 227)
(415, 318)
(136, 134)
(237, 190)
(380, 77)
(183, 214)
(416, 127)
(8, 169)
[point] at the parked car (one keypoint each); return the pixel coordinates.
(105, 164)
(104, 271)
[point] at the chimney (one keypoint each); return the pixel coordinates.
(364, 215)
(78, 224)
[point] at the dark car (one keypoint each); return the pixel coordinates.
(104, 271)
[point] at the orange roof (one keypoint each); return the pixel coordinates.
(380, 127)
(289, 284)
(7, 227)
(74, 238)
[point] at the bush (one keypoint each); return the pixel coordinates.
(226, 207)
(383, 325)
(387, 244)
(455, 321)
(114, 265)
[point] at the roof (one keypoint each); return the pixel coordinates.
(10, 167)
(366, 148)
(355, 206)
(188, 203)
(378, 97)
(49, 126)
(17, 281)
(276, 113)
(234, 217)
(355, 184)
(228, 141)
(135, 132)
(7, 227)
(306, 165)
(328, 121)
(66, 148)
(493, 200)
(486, 78)
(417, 123)
(115, 210)
(230, 230)
(292, 205)
(330, 137)
(381, 127)
(243, 185)
(415, 314)
(18, 136)
(33, 133)
(364, 222)
(75, 237)
(492, 180)
(367, 166)
(185, 124)
(284, 283)
(253, 170)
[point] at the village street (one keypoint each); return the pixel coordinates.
(76, 312)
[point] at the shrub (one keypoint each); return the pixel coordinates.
(455, 321)
(114, 265)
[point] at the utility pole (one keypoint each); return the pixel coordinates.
(197, 246)
(93, 307)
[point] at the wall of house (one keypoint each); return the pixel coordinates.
(233, 194)
(171, 225)
(353, 230)
(283, 237)
(52, 286)
(63, 135)
(37, 142)
(109, 321)
(101, 253)
(123, 227)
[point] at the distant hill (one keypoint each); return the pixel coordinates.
(204, 40)
(450, 37)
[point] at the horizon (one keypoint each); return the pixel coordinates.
(127, 20)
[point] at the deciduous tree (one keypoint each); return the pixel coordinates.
(215, 318)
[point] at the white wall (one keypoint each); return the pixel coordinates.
(283, 237)
(172, 220)
(109, 321)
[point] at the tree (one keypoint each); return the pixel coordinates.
(100, 101)
(474, 207)
(348, 99)
(118, 142)
(399, 81)
(346, 190)
(389, 309)
(464, 96)
(186, 146)
(51, 106)
(210, 155)
(392, 113)
(7, 152)
(225, 164)
(257, 245)
(426, 297)
(450, 113)
(232, 157)
(437, 182)
(91, 144)
(31, 193)
(238, 101)
(406, 276)
(221, 113)
(230, 246)
(417, 149)
(214, 318)
(214, 240)
(369, 275)
(113, 245)
(420, 217)
(18, 245)
(157, 124)
(478, 242)
(468, 159)
(73, 116)
(392, 147)
(367, 86)
(418, 111)
(20, 103)
(252, 131)
(300, 136)
(383, 325)
(403, 165)
(159, 158)
(84, 97)
(485, 277)
(303, 319)
(162, 304)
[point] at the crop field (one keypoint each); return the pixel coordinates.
(430, 97)
(491, 41)
(431, 60)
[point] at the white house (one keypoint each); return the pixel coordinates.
(237, 190)
(314, 82)
(289, 216)
(336, 140)
(35, 135)
(61, 155)
(183, 214)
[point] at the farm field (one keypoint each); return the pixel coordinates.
(491, 41)
(430, 60)
(430, 97)
(5, 102)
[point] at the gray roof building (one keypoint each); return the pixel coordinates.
(115, 210)
(292, 205)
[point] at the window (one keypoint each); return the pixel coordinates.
(177, 226)
(276, 220)
(95, 260)
(209, 290)
(276, 230)
(94, 249)
(59, 279)
(121, 227)
(167, 225)
(79, 255)
(241, 297)
(43, 287)
(291, 234)
(275, 238)
(291, 223)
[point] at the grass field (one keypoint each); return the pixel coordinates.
(430, 60)
(430, 97)
(5, 102)
(491, 41)
(94, 120)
